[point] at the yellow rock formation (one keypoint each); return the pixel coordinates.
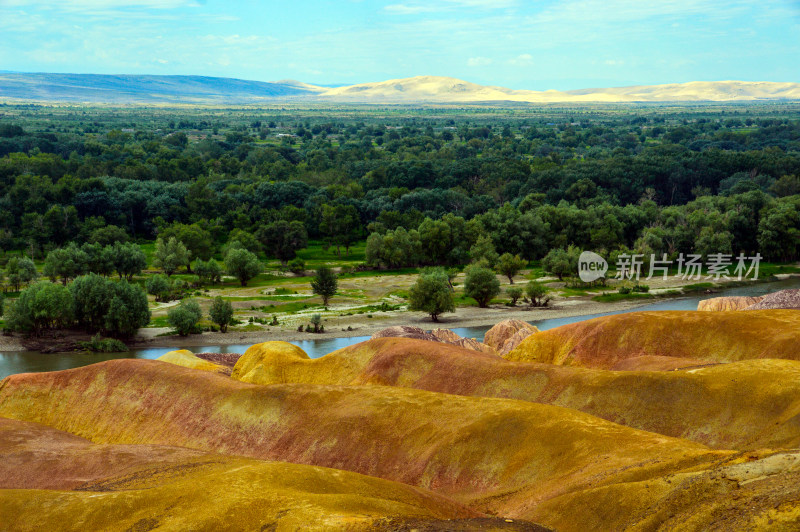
(608, 341)
(187, 359)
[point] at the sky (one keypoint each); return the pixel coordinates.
(535, 45)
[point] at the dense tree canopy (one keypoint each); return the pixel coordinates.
(429, 185)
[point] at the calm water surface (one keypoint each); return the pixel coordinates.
(34, 361)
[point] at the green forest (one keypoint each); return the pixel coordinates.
(205, 191)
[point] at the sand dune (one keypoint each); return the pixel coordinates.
(444, 89)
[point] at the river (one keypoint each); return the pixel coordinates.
(34, 361)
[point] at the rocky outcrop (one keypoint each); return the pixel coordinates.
(437, 335)
(500, 334)
(607, 341)
(727, 303)
(445, 335)
(223, 359)
(405, 331)
(784, 299)
(515, 340)
(474, 345)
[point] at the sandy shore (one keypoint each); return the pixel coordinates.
(336, 327)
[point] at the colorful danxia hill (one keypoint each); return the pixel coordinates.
(638, 421)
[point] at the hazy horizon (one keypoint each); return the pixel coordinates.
(561, 45)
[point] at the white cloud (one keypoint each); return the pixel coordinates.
(479, 61)
(521, 60)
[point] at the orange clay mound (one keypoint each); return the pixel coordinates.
(498, 455)
(498, 336)
(727, 303)
(707, 336)
(742, 405)
(52, 480)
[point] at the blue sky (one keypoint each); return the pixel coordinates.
(539, 45)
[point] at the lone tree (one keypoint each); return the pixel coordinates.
(432, 294)
(324, 284)
(242, 264)
(510, 265)
(184, 317)
(481, 284)
(221, 313)
(170, 255)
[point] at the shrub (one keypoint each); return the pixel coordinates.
(537, 294)
(158, 285)
(316, 322)
(185, 317)
(103, 345)
(297, 266)
(514, 293)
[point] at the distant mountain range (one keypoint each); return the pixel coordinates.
(130, 89)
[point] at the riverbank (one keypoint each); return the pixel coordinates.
(341, 324)
(348, 328)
